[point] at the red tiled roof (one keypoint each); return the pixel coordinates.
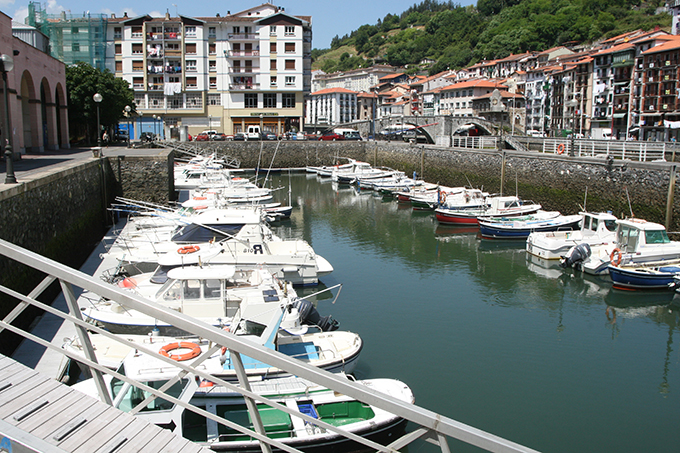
(334, 90)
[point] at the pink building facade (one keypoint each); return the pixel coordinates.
(37, 96)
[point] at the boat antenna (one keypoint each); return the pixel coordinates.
(468, 180)
(629, 205)
(259, 159)
(516, 186)
(271, 164)
(585, 199)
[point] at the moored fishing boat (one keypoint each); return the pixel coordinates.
(644, 276)
(521, 227)
(497, 206)
(637, 241)
(597, 228)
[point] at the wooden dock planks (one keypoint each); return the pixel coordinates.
(75, 422)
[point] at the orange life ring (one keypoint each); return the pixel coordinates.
(560, 148)
(168, 348)
(615, 257)
(442, 197)
(200, 198)
(188, 249)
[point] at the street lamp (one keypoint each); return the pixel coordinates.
(7, 64)
(154, 125)
(128, 109)
(98, 98)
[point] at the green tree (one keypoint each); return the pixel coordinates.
(82, 83)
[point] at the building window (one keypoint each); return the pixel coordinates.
(194, 101)
(191, 48)
(138, 82)
(119, 66)
(118, 49)
(272, 65)
(117, 33)
(289, 30)
(251, 100)
(137, 66)
(272, 30)
(269, 100)
(247, 30)
(290, 64)
(288, 100)
(171, 46)
(190, 32)
(290, 81)
(212, 83)
(212, 32)
(236, 30)
(272, 81)
(156, 101)
(140, 99)
(75, 47)
(214, 99)
(137, 49)
(137, 32)
(290, 47)
(191, 82)
(272, 47)
(212, 48)
(191, 66)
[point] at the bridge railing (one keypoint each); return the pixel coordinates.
(480, 142)
(429, 425)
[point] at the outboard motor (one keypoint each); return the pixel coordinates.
(309, 315)
(576, 254)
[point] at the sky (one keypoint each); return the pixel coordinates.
(329, 18)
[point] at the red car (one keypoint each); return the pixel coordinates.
(331, 136)
(202, 137)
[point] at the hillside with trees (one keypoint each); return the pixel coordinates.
(455, 36)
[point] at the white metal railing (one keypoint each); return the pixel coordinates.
(641, 151)
(480, 142)
(431, 426)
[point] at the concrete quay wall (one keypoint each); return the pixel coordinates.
(557, 182)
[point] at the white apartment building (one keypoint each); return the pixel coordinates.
(221, 73)
(457, 99)
(331, 106)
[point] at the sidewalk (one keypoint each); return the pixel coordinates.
(34, 166)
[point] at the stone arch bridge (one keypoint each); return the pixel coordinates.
(438, 129)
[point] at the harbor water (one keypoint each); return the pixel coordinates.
(547, 358)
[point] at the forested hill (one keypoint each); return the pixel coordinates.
(456, 36)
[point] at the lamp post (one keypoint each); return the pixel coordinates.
(154, 125)
(7, 64)
(128, 109)
(97, 99)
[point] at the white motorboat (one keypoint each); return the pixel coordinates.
(521, 227)
(597, 229)
(327, 170)
(497, 206)
(429, 200)
(233, 236)
(301, 396)
(637, 241)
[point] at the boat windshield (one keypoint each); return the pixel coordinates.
(656, 237)
(199, 233)
(132, 395)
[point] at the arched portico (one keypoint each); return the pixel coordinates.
(30, 115)
(61, 116)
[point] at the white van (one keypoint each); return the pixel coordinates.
(253, 133)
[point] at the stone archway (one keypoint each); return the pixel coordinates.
(61, 113)
(29, 114)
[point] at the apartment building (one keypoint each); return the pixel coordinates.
(223, 73)
(331, 106)
(362, 79)
(457, 99)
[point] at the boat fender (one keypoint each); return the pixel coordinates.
(188, 249)
(615, 257)
(166, 350)
(223, 351)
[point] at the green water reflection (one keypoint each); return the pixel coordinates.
(550, 359)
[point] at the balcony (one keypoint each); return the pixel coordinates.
(243, 53)
(156, 86)
(243, 36)
(244, 86)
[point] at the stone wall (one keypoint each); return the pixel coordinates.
(557, 182)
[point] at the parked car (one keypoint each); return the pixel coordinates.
(266, 135)
(331, 136)
(240, 136)
(203, 137)
(354, 135)
(147, 136)
(121, 136)
(311, 136)
(219, 137)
